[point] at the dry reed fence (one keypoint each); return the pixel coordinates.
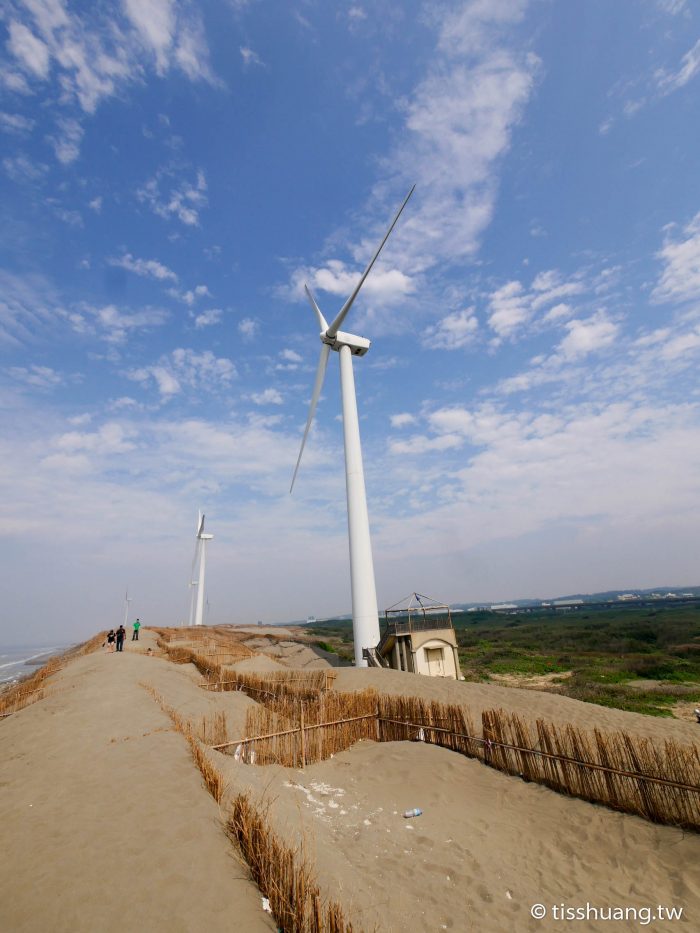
(294, 733)
(281, 873)
(32, 688)
(295, 898)
(661, 783)
(624, 772)
(304, 685)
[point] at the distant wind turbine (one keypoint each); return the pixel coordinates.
(193, 582)
(127, 600)
(365, 617)
(202, 539)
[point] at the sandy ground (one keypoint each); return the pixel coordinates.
(105, 824)
(109, 826)
(485, 850)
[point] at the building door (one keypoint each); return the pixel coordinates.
(436, 664)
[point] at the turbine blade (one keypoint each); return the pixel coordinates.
(322, 322)
(342, 314)
(200, 524)
(320, 375)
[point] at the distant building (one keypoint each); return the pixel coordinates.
(502, 607)
(567, 603)
(625, 597)
(311, 620)
(418, 637)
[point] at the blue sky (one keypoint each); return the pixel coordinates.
(172, 174)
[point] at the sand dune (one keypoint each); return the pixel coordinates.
(109, 826)
(104, 822)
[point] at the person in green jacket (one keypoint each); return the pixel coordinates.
(137, 626)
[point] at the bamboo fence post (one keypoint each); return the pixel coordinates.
(301, 732)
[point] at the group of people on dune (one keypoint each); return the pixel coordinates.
(115, 640)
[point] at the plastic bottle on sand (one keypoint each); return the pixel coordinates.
(414, 812)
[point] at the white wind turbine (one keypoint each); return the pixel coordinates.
(127, 600)
(365, 617)
(200, 554)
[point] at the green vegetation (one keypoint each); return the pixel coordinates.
(635, 658)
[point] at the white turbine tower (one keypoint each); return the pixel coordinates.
(193, 582)
(202, 539)
(127, 600)
(365, 617)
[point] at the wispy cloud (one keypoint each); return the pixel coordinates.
(66, 142)
(183, 200)
(453, 332)
(688, 69)
(457, 126)
(16, 124)
(40, 377)
(250, 57)
(248, 328)
(186, 368)
(208, 318)
(267, 397)
(111, 323)
(147, 268)
(680, 279)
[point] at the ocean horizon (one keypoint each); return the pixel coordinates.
(16, 661)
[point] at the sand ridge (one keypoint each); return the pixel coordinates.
(104, 817)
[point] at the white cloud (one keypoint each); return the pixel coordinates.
(28, 305)
(588, 336)
(183, 201)
(291, 356)
(22, 169)
(557, 313)
(208, 318)
(66, 143)
(267, 397)
(96, 52)
(186, 368)
(111, 438)
(422, 444)
(16, 124)
(680, 279)
(96, 204)
(199, 291)
(513, 307)
(147, 268)
(402, 420)
(680, 344)
(336, 278)
(689, 67)
(458, 122)
(41, 377)
(510, 309)
(111, 323)
(32, 53)
(155, 23)
(453, 332)
(248, 328)
(250, 57)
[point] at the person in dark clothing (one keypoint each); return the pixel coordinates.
(121, 632)
(137, 626)
(110, 640)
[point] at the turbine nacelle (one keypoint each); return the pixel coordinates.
(332, 338)
(358, 345)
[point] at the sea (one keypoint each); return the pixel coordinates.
(17, 661)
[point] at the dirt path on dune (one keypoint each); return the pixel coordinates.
(105, 824)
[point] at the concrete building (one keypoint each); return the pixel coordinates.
(419, 637)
